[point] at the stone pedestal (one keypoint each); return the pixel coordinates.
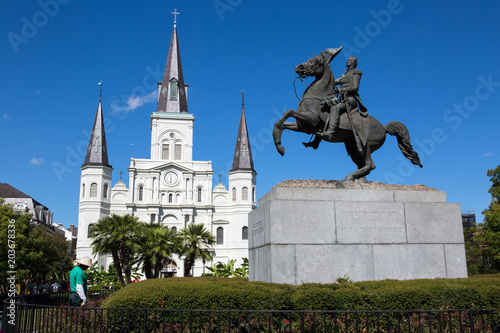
(317, 231)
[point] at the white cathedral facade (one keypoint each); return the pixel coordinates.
(170, 188)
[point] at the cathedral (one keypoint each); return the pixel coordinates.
(169, 187)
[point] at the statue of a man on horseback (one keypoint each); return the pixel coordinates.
(348, 98)
(361, 134)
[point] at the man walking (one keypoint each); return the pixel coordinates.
(78, 282)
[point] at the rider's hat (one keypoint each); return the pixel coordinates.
(333, 52)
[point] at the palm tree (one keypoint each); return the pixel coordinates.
(196, 245)
(156, 245)
(117, 235)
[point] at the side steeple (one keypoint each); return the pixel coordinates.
(242, 153)
(172, 95)
(97, 152)
(95, 186)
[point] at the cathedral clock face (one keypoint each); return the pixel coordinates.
(171, 178)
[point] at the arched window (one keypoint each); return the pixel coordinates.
(173, 89)
(105, 191)
(244, 193)
(89, 230)
(253, 195)
(174, 230)
(83, 190)
(244, 233)
(93, 190)
(234, 193)
(178, 151)
(165, 151)
(220, 235)
(199, 194)
(170, 198)
(141, 193)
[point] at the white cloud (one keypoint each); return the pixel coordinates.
(5, 117)
(36, 160)
(135, 102)
(488, 154)
(37, 91)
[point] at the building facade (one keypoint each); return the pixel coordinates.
(169, 187)
(26, 204)
(71, 236)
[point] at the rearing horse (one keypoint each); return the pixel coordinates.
(312, 114)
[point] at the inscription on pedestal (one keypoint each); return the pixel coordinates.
(257, 234)
(379, 223)
(258, 228)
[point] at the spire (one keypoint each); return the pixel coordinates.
(172, 94)
(97, 152)
(242, 153)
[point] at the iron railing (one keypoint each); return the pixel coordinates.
(31, 317)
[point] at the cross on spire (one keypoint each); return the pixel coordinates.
(100, 90)
(242, 100)
(220, 178)
(175, 12)
(121, 173)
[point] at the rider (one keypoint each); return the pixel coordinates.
(349, 85)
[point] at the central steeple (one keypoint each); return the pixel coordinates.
(172, 96)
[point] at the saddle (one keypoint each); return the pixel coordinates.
(359, 123)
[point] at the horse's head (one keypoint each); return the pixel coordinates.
(316, 65)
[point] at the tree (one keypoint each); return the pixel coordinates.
(483, 251)
(197, 241)
(34, 251)
(118, 235)
(46, 253)
(491, 226)
(156, 245)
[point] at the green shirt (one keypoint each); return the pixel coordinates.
(77, 276)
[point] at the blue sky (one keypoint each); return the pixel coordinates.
(431, 65)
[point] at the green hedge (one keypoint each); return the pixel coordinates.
(240, 294)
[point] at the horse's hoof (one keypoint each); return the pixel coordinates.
(362, 179)
(349, 179)
(313, 144)
(281, 150)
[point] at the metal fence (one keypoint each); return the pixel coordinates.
(30, 317)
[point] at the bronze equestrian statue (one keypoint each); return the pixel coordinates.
(337, 115)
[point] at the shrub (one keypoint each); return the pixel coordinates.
(240, 294)
(202, 293)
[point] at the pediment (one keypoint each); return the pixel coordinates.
(171, 165)
(220, 221)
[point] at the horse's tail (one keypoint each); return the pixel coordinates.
(401, 132)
